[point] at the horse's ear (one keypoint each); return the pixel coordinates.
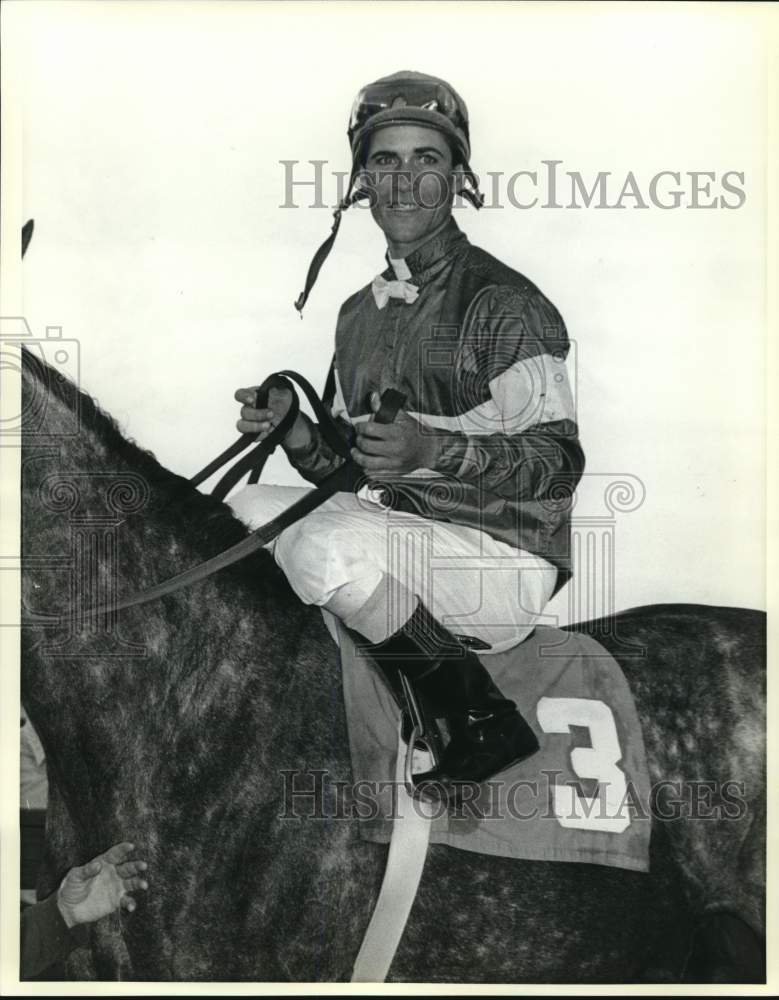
(27, 229)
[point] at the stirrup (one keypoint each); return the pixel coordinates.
(424, 735)
(417, 742)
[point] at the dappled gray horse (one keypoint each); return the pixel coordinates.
(172, 725)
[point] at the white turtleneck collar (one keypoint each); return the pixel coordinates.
(399, 266)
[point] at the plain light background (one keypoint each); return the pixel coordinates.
(153, 135)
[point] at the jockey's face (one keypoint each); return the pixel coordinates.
(409, 168)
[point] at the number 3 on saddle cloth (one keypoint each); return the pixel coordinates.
(584, 797)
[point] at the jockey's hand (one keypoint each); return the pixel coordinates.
(103, 885)
(261, 422)
(396, 448)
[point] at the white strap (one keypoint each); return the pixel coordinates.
(407, 852)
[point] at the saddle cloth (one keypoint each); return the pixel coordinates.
(585, 796)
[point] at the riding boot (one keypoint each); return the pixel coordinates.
(488, 732)
(422, 714)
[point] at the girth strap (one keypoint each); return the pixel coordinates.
(411, 829)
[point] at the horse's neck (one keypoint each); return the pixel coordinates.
(228, 684)
(185, 725)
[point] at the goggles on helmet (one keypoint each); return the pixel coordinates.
(403, 98)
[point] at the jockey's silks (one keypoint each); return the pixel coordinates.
(480, 354)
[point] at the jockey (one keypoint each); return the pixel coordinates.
(466, 516)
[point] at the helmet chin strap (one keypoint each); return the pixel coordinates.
(474, 196)
(467, 185)
(324, 250)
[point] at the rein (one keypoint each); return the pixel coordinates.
(348, 477)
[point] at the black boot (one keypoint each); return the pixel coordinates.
(420, 715)
(487, 732)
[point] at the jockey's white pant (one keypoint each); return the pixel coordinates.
(369, 565)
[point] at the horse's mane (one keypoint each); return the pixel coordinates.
(178, 499)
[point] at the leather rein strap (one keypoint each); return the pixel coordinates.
(346, 478)
(255, 460)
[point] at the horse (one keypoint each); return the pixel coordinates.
(171, 725)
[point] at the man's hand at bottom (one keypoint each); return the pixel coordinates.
(101, 886)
